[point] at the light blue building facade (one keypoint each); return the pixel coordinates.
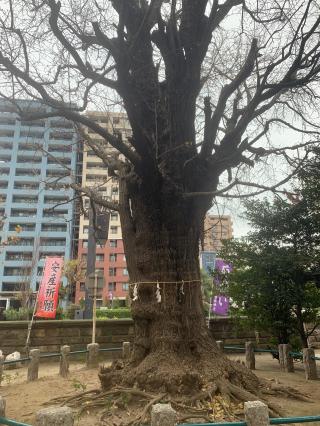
(38, 160)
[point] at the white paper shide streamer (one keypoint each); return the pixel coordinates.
(158, 294)
(135, 292)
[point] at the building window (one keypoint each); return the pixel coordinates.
(100, 257)
(125, 271)
(114, 190)
(82, 287)
(125, 287)
(113, 229)
(86, 229)
(112, 272)
(114, 216)
(112, 257)
(116, 120)
(85, 243)
(113, 243)
(112, 286)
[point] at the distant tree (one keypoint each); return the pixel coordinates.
(74, 272)
(277, 267)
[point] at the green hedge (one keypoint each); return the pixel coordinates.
(114, 313)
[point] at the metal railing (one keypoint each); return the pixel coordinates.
(275, 421)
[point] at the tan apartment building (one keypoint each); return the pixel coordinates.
(216, 229)
(110, 259)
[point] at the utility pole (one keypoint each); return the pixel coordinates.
(91, 262)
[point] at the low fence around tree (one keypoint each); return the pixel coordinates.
(92, 358)
(284, 354)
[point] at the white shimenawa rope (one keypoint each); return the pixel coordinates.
(166, 282)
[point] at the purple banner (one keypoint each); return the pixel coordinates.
(220, 303)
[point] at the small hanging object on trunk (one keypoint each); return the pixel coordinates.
(158, 294)
(135, 292)
(180, 292)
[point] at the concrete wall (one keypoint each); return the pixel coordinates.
(48, 336)
(229, 330)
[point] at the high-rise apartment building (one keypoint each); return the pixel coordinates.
(110, 258)
(37, 162)
(216, 229)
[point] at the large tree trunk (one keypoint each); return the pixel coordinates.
(172, 349)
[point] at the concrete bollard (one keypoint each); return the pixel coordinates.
(281, 358)
(126, 350)
(256, 413)
(163, 415)
(64, 361)
(1, 367)
(2, 407)
(33, 368)
(309, 363)
(93, 355)
(54, 416)
(288, 359)
(220, 345)
(250, 357)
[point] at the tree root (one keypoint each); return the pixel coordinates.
(221, 400)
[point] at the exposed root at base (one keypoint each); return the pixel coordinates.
(220, 401)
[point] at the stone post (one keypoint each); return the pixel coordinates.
(281, 358)
(309, 363)
(288, 359)
(54, 416)
(64, 361)
(126, 350)
(220, 345)
(256, 413)
(250, 358)
(93, 355)
(163, 415)
(1, 367)
(2, 407)
(33, 368)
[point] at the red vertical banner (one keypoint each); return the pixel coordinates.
(49, 288)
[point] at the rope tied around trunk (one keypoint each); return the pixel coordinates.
(159, 297)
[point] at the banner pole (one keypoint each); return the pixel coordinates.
(33, 313)
(94, 316)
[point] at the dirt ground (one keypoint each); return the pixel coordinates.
(24, 399)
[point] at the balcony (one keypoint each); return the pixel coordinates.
(61, 136)
(61, 124)
(22, 199)
(51, 242)
(6, 133)
(27, 171)
(26, 186)
(31, 213)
